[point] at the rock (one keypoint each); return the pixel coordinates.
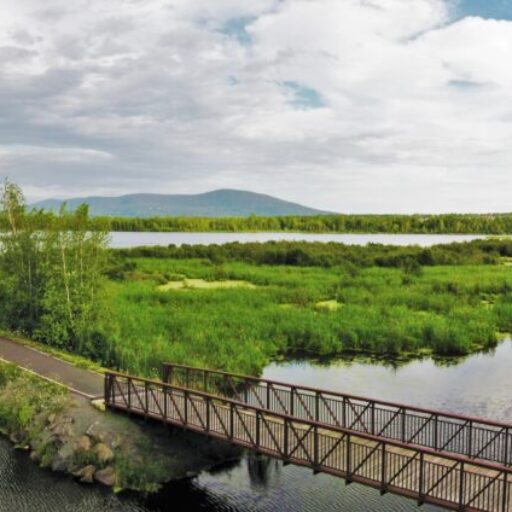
(103, 453)
(60, 462)
(64, 458)
(15, 438)
(99, 404)
(84, 444)
(63, 429)
(112, 439)
(191, 474)
(106, 476)
(51, 419)
(86, 474)
(35, 456)
(94, 432)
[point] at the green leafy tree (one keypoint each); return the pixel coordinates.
(52, 278)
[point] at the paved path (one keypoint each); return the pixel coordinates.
(78, 380)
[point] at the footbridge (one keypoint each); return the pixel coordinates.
(453, 461)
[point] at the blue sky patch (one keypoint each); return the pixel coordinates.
(237, 28)
(466, 85)
(303, 96)
(495, 9)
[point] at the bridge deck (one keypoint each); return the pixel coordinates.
(440, 478)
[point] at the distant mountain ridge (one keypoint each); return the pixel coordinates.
(218, 203)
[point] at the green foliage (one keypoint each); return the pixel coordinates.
(318, 254)
(52, 279)
(440, 309)
(135, 473)
(26, 401)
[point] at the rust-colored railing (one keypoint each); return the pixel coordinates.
(475, 438)
(447, 480)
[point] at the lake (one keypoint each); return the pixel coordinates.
(477, 385)
(134, 239)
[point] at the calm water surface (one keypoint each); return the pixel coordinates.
(479, 385)
(129, 239)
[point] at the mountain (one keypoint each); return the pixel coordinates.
(218, 203)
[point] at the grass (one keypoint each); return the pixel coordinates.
(290, 311)
(26, 401)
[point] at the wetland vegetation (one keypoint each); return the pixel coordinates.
(238, 306)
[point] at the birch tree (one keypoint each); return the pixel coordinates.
(52, 280)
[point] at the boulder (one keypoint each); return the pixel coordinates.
(63, 429)
(84, 443)
(99, 404)
(95, 433)
(63, 459)
(103, 453)
(106, 476)
(86, 474)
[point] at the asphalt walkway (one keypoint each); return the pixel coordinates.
(78, 380)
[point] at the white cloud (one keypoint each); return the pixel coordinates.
(152, 95)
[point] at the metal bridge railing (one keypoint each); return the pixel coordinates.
(447, 480)
(476, 438)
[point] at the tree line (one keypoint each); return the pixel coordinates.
(491, 224)
(319, 254)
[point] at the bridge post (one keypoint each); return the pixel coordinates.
(421, 483)
(146, 398)
(315, 449)
(185, 412)
(231, 421)
(383, 469)
(348, 460)
(113, 389)
(292, 401)
(506, 458)
(505, 492)
(166, 372)
(285, 441)
(403, 425)
(436, 435)
(317, 406)
(208, 405)
(258, 429)
(461, 486)
(470, 439)
(107, 385)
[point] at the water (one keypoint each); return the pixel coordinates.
(478, 385)
(133, 239)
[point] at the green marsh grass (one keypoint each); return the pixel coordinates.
(444, 310)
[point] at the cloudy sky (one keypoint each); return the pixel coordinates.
(347, 105)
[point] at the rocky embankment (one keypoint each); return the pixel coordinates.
(70, 434)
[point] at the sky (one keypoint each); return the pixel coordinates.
(356, 106)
